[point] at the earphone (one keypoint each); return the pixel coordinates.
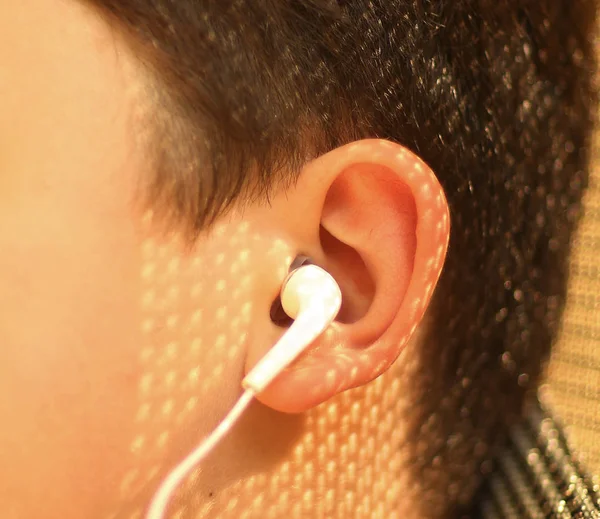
(310, 296)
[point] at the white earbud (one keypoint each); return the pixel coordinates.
(313, 299)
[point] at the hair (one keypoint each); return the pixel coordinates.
(497, 97)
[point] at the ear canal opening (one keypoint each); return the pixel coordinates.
(278, 315)
(347, 267)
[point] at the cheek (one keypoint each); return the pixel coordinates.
(117, 351)
(199, 311)
(69, 335)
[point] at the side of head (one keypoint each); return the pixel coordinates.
(358, 133)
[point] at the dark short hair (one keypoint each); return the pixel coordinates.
(497, 97)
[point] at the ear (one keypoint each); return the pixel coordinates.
(373, 215)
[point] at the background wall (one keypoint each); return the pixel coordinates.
(573, 379)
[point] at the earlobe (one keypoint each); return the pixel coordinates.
(382, 230)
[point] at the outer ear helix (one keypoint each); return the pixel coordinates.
(394, 203)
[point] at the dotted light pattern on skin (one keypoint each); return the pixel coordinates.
(345, 458)
(196, 308)
(348, 463)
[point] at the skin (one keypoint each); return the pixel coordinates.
(120, 348)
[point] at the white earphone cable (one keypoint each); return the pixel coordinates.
(160, 501)
(313, 298)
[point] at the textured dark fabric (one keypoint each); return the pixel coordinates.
(537, 476)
